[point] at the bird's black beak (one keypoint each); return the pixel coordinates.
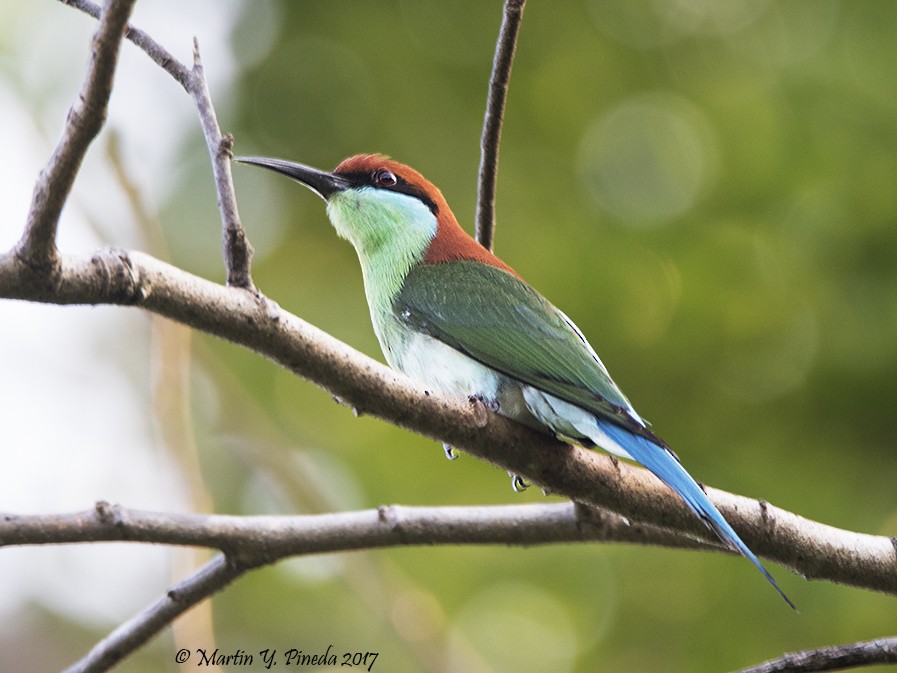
(323, 184)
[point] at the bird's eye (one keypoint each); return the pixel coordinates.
(384, 178)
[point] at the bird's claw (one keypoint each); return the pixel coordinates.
(449, 451)
(517, 483)
(492, 405)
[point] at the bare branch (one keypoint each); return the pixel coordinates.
(130, 635)
(236, 247)
(84, 121)
(259, 540)
(811, 549)
(495, 110)
(160, 56)
(835, 658)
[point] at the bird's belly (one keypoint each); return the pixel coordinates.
(452, 372)
(445, 369)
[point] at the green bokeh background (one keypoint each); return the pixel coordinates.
(708, 189)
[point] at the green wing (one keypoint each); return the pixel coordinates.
(500, 321)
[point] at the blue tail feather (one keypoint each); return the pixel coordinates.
(670, 471)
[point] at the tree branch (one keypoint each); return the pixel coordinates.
(86, 117)
(130, 635)
(236, 246)
(495, 110)
(835, 658)
(259, 540)
(159, 55)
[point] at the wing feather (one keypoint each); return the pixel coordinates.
(500, 321)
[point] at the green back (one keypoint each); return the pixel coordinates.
(500, 321)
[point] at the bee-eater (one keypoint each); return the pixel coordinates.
(451, 314)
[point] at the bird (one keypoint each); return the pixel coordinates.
(451, 314)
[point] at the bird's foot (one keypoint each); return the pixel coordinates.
(449, 451)
(492, 405)
(517, 483)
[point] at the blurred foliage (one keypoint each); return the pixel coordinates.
(709, 189)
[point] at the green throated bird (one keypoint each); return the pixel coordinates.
(451, 314)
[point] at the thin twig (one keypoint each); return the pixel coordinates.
(495, 110)
(236, 247)
(834, 658)
(86, 117)
(130, 635)
(265, 539)
(159, 55)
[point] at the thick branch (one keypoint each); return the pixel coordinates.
(495, 110)
(85, 119)
(835, 658)
(811, 549)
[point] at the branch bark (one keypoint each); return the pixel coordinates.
(260, 540)
(235, 245)
(835, 658)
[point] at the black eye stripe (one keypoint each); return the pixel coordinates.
(402, 186)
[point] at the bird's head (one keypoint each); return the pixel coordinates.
(376, 203)
(372, 200)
